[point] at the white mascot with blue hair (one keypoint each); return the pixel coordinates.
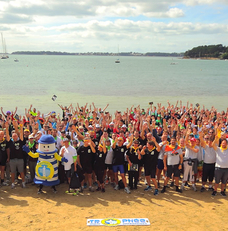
(47, 164)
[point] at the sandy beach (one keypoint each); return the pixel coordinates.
(24, 209)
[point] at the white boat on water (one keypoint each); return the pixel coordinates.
(16, 60)
(117, 60)
(4, 54)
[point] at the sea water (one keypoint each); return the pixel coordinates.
(86, 79)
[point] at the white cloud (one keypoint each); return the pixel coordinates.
(90, 25)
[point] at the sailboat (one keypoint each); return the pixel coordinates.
(117, 60)
(4, 56)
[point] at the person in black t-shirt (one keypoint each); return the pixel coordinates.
(32, 161)
(118, 160)
(133, 158)
(99, 165)
(4, 156)
(85, 154)
(150, 156)
(16, 152)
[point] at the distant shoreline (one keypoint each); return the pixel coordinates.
(147, 54)
(203, 58)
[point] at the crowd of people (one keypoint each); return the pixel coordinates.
(182, 144)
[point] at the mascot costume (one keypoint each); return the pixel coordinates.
(47, 165)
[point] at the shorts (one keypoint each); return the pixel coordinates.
(16, 164)
(100, 175)
(108, 166)
(173, 169)
(3, 160)
(160, 164)
(150, 171)
(221, 174)
(117, 168)
(87, 169)
(208, 172)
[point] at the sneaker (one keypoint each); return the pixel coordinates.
(85, 186)
(159, 186)
(23, 185)
(194, 188)
(95, 183)
(75, 193)
(156, 192)
(202, 189)
(107, 181)
(182, 187)
(172, 184)
(69, 191)
(54, 190)
(126, 189)
(103, 190)
(163, 190)
(223, 194)
(148, 188)
(91, 189)
(211, 189)
(12, 186)
(81, 190)
(214, 193)
(98, 189)
(5, 184)
(186, 184)
(178, 190)
(116, 187)
(40, 191)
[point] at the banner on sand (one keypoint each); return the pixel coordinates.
(118, 221)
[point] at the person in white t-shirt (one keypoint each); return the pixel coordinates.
(190, 161)
(209, 159)
(221, 165)
(70, 154)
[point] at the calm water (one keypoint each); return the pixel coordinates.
(136, 80)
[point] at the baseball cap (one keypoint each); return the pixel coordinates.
(193, 139)
(31, 136)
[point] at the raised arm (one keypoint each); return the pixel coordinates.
(7, 131)
(203, 144)
(130, 141)
(215, 142)
(158, 148)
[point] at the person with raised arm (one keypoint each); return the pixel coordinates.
(16, 152)
(150, 154)
(119, 150)
(209, 159)
(190, 160)
(173, 159)
(221, 165)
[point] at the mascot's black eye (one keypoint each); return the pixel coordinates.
(47, 146)
(44, 146)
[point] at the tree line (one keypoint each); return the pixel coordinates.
(210, 51)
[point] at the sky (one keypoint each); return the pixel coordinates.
(104, 25)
